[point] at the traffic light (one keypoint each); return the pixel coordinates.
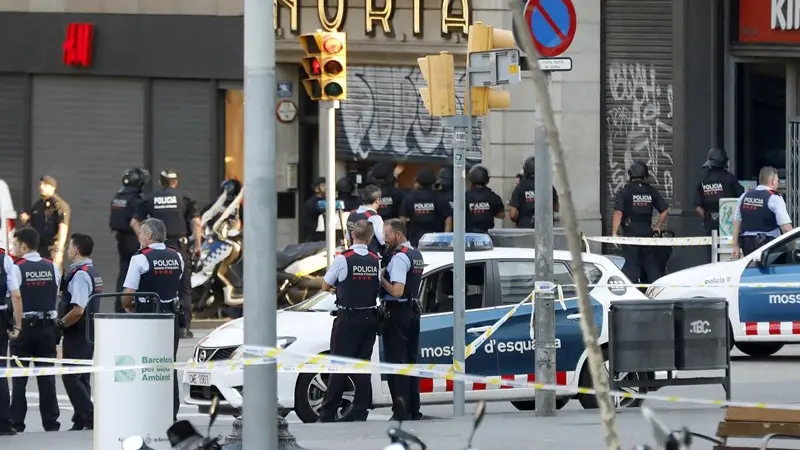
(325, 64)
(439, 97)
(484, 38)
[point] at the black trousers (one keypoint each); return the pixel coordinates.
(401, 346)
(353, 336)
(640, 265)
(127, 246)
(749, 244)
(78, 386)
(5, 400)
(35, 341)
(185, 292)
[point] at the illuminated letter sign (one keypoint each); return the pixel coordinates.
(78, 45)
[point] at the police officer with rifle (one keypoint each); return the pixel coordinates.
(176, 210)
(35, 331)
(760, 215)
(156, 268)
(425, 210)
(401, 313)
(523, 197)
(9, 286)
(483, 205)
(370, 202)
(717, 183)
(355, 274)
(123, 207)
(81, 282)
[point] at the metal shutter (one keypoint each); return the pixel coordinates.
(384, 116)
(638, 92)
(182, 128)
(86, 133)
(13, 121)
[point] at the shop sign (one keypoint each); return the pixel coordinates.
(78, 45)
(332, 15)
(769, 21)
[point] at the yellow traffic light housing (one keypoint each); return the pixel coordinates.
(484, 38)
(439, 98)
(325, 64)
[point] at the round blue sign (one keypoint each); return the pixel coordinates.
(553, 24)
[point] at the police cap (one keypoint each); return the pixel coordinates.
(426, 177)
(529, 166)
(169, 175)
(48, 180)
(638, 170)
(345, 185)
(479, 175)
(716, 158)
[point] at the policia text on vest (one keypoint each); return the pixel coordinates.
(760, 215)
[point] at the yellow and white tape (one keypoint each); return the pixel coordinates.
(656, 241)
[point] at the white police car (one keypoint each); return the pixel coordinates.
(762, 319)
(496, 280)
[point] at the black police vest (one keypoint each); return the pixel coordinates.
(390, 202)
(3, 278)
(374, 246)
(641, 204)
(527, 209)
(360, 288)
(164, 274)
(756, 215)
(38, 285)
(480, 218)
(44, 219)
(447, 195)
(424, 217)
(169, 206)
(350, 201)
(92, 306)
(414, 275)
(122, 209)
(717, 184)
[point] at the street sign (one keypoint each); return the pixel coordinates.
(555, 64)
(494, 68)
(553, 24)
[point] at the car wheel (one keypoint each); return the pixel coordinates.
(759, 350)
(590, 401)
(530, 405)
(310, 391)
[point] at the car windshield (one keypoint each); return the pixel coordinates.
(321, 301)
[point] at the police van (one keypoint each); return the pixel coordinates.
(497, 279)
(763, 314)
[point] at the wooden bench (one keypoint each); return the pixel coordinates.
(758, 423)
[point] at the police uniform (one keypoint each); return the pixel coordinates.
(761, 212)
(523, 198)
(314, 207)
(8, 284)
(39, 283)
(482, 207)
(356, 275)
(177, 210)
(377, 243)
(81, 282)
(401, 332)
(636, 201)
(123, 208)
(45, 217)
(426, 211)
(159, 269)
(391, 200)
(718, 183)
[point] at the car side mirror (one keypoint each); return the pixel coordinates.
(763, 260)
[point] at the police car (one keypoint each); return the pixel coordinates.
(497, 279)
(762, 318)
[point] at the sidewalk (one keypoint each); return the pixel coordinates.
(514, 431)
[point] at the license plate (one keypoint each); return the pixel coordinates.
(198, 379)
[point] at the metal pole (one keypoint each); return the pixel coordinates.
(329, 144)
(544, 304)
(461, 142)
(260, 380)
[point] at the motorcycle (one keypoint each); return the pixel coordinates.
(667, 439)
(183, 435)
(400, 439)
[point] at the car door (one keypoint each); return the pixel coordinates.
(772, 312)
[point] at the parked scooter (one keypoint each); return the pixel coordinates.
(183, 435)
(403, 440)
(667, 439)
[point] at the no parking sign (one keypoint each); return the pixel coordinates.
(553, 24)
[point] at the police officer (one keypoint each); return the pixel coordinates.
(344, 193)
(633, 214)
(312, 209)
(9, 286)
(177, 210)
(81, 282)
(717, 183)
(401, 283)
(355, 274)
(444, 185)
(370, 201)
(483, 205)
(123, 206)
(523, 198)
(760, 215)
(49, 216)
(424, 209)
(165, 282)
(36, 335)
(391, 197)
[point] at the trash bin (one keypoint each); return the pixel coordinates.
(642, 335)
(701, 334)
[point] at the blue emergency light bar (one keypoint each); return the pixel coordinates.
(443, 242)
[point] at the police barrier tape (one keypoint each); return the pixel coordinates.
(338, 364)
(659, 241)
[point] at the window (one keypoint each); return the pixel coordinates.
(592, 272)
(436, 293)
(517, 279)
(784, 253)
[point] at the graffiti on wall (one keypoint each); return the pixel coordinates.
(639, 125)
(384, 114)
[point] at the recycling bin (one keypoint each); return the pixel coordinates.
(642, 335)
(701, 334)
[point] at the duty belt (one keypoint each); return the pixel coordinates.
(362, 308)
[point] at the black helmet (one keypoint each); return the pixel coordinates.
(383, 173)
(136, 178)
(345, 185)
(716, 158)
(231, 188)
(479, 175)
(445, 178)
(529, 166)
(426, 177)
(638, 170)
